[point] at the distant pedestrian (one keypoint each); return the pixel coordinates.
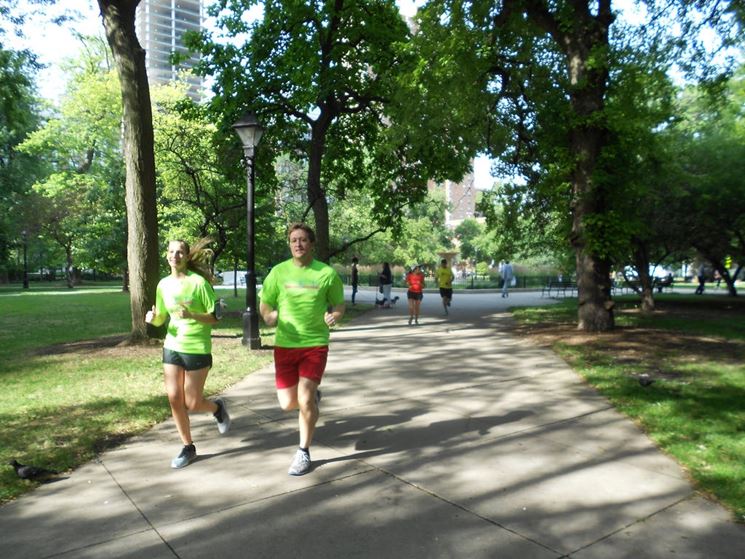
(445, 278)
(386, 283)
(355, 278)
(303, 297)
(186, 297)
(507, 275)
(701, 280)
(415, 294)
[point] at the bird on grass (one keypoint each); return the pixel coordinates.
(645, 379)
(33, 473)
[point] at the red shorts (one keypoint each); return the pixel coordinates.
(291, 363)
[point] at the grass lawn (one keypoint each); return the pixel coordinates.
(693, 349)
(71, 390)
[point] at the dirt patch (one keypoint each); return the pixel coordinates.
(651, 351)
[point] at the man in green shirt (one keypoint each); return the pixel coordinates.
(303, 297)
(445, 282)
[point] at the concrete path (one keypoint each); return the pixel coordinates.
(448, 439)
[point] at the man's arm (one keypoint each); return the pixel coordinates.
(268, 313)
(333, 317)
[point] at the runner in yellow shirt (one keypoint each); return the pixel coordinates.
(445, 278)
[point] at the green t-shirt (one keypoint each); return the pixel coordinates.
(301, 296)
(444, 277)
(186, 334)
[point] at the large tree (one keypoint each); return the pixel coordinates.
(19, 115)
(538, 74)
(82, 205)
(142, 218)
(319, 74)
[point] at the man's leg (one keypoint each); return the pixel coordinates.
(308, 415)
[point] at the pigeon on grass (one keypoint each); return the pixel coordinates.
(33, 473)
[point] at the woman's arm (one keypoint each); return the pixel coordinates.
(204, 318)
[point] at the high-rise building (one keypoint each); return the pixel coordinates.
(160, 26)
(460, 199)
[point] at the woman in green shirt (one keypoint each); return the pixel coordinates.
(187, 298)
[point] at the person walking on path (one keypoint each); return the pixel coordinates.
(355, 278)
(303, 297)
(186, 297)
(445, 278)
(415, 294)
(507, 275)
(386, 283)
(701, 280)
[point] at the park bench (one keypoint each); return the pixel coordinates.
(663, 283)
(559, 288)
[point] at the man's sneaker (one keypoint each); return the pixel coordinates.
(221, 416)
(416, 321)
(185, 457)
(300, 464)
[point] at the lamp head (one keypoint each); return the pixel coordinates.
(249, 131)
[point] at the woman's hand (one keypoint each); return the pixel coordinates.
(150, 315)
(182, 313)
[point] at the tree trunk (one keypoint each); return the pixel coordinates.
(142, 219)
(68, 268)
(316, 193)
(588, 76)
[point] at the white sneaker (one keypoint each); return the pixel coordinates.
(221, 416)
(300, 464)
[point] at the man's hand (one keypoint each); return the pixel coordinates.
(330, 319)
(333, 316)
(269, 314)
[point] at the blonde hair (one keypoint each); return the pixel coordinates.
(199, 258)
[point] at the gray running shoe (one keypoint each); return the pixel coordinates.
(221, 416)
(187, 455)
(300, 464)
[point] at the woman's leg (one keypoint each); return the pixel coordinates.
(174, 380)
(387, 293)
(194, 392)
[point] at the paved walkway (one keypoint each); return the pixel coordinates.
(450, 439)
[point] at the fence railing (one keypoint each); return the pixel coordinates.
(473, 281)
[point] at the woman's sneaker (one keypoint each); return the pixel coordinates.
(221, 416)
(185, 457)
(300, 464)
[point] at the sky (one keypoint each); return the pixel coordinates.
(53, 44)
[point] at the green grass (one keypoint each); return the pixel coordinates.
(694, 349)
(63, 404)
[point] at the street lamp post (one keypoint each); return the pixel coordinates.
(24, 235)
(249, 130)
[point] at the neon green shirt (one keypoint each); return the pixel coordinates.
(444, 277)
(301, 296)
(186, 334)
